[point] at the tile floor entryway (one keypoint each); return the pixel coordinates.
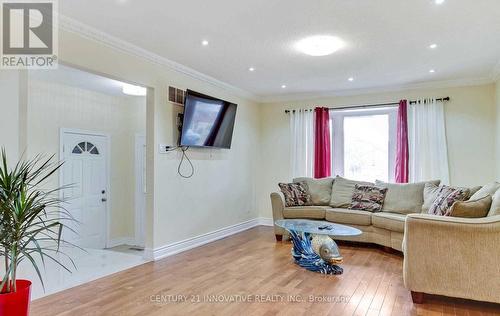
(91, 264)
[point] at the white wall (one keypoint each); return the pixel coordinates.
(222, 192)
(52, 106)
(470, 128)
(11, 88)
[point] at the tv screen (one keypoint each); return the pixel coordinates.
(208, 121)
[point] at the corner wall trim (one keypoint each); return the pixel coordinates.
(495, 73)
(121, 241)
(193, 242)
(266, 221)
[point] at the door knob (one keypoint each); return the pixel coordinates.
(104, 199)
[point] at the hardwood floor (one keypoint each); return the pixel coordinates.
(252, 265)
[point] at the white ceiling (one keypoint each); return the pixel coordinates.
(387, 40)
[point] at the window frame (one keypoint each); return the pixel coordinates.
(337, 135)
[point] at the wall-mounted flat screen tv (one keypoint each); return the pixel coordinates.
(207, 122)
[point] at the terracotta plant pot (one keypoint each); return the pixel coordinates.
(18, 303)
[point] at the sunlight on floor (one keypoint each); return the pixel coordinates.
(90, 264)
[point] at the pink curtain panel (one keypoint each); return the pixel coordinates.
(322, 153)
(402, 155)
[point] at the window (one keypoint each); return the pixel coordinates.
(85, 147)
(363, 143)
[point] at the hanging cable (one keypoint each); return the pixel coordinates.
(185, 156)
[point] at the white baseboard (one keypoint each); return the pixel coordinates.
(120, 241)
(193, 242)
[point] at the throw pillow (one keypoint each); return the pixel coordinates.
(367, 198)
(404, 198)
(495, 204)
(488, 189)
(295, 194)
(320, 190)
(431, 191)
(446, 196)
(474, 190)
(471, 208)
(430, 194)
(342, 191)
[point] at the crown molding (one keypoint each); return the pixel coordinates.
(71, 25)
(351, 92)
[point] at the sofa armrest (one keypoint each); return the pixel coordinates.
(452, 256)
(278, 204)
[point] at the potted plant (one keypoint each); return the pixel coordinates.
(31, 223)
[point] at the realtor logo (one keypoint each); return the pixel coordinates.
(29, 34)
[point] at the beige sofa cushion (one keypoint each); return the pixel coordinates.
(488, 189)
(495, 204)
(404, 198)
(319, 189)
(312, 212)
(390, 221)
(346, 216)
(342, 191)
(471, 208)
(473, 190)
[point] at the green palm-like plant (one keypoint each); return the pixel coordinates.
(31, 218)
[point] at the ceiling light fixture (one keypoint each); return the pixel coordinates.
(204, 43)
(251, 69)
(433, 46)
(130, 89)
(439, 1)
(283, 86)
(320, 45)
(351, 79)
(432, 71)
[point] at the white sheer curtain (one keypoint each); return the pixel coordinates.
(427, 141)
(301, 143)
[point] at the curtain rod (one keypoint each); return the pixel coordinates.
(370, 105)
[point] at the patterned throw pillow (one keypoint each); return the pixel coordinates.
(445, 198)
(295, 194)
(368, 198)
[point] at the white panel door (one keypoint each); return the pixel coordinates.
(84, 169)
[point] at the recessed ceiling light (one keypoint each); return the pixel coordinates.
(432, 46)
(130, 89)
(351, 79)
(204, 43)
(251, 69)
(283, 86)
(439, 1)
(319, 45)
(432, 71)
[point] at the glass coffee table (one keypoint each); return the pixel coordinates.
(313, 248)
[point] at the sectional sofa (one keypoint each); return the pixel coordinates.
(449, 256)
